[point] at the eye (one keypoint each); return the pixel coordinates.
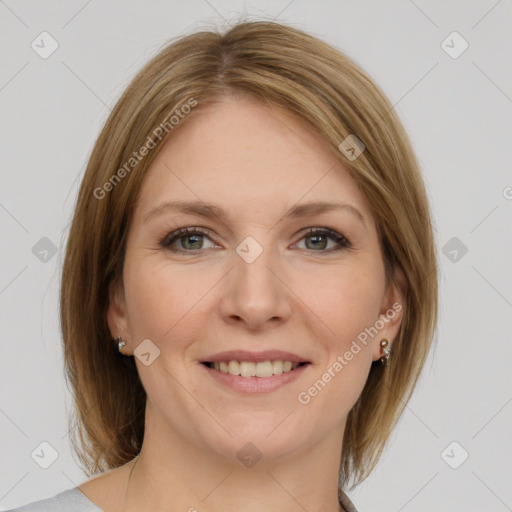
(188, 240)
(317, 239)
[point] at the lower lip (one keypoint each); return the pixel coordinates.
(255, 385)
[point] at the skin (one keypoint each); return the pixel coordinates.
(256, 163)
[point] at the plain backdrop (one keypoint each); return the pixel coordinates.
(452, 447)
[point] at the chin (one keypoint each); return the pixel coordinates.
(265, 436)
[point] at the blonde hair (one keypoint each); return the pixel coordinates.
(285, 68)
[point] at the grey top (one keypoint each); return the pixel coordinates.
(74, 500)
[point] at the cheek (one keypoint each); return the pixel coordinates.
(349, 306)
(345, 302)
(162, 300)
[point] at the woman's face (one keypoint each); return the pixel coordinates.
(262, 278)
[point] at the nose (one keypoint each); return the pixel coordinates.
(255, 294)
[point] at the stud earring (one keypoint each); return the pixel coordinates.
(385, 351)
(120, 344)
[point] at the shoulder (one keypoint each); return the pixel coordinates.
(72, 500)
(345, 502)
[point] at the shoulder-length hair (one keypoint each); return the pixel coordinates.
(282, 67)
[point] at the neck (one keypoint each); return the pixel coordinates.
(170, 470)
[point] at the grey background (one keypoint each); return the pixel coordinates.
(457, 112)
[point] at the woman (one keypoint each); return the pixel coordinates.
(249, 291)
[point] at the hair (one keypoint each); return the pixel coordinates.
(281, 67)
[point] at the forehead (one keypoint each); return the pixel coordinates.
(242, 153)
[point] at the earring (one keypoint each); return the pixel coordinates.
(120, 344)
(385, 352)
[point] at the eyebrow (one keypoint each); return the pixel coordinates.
(205, 210)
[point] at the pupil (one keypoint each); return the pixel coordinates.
(194, 238)
(317, 237)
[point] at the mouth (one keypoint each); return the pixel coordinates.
(244, 371)
(251, 372)
(260, 369)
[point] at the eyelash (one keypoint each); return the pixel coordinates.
(166, 242)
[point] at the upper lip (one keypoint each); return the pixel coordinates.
(246, 355)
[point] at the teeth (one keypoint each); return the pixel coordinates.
(234, 367)
(252, 369)
(264, 369)
(277, 367)
(247, 369)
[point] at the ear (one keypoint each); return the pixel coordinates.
(117, 318)
(391, 313)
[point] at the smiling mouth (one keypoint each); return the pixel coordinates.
(254, 369)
